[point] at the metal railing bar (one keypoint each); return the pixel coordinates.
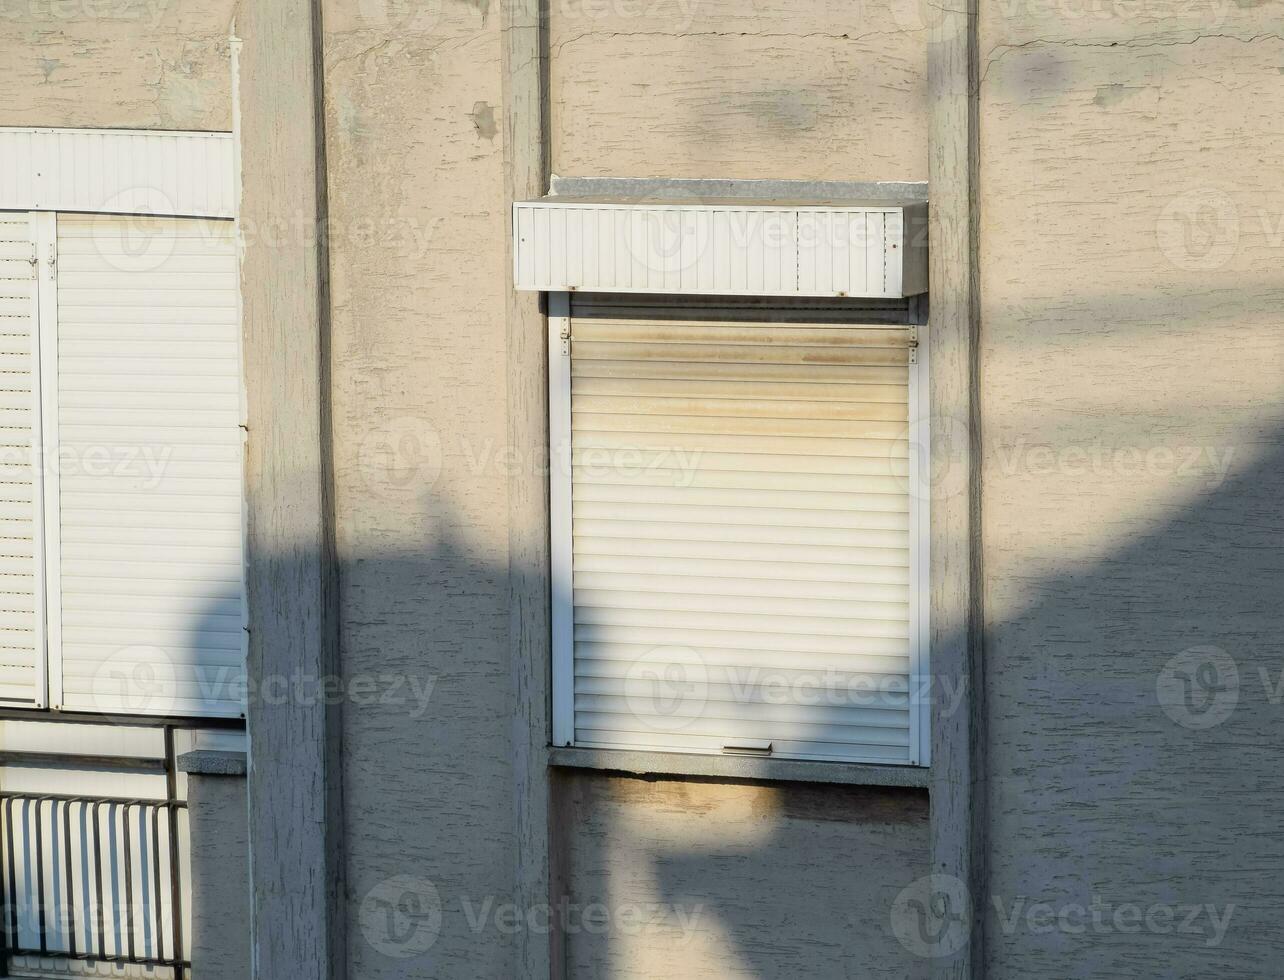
(144, 885)
(94, 958)
(117, 800)
(175, 875)
(137, 721)
(85, 884)
(13, 875)
(116, 762)
(156, 877)
(71, 881)
(98, 878)
(129, 881)
(40, 873)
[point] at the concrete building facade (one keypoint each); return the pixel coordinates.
(1106, 383)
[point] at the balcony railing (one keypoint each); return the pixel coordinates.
(95, 878)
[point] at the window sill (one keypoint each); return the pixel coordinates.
(738, 767)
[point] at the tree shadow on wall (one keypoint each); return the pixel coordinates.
(1135, 721)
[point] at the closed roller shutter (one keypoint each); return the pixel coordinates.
(149, 609)
(741, 542)
(22, 653)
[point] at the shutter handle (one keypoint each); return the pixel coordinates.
(748, 746)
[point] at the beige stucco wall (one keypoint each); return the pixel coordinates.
(678, 880)
(119, 64)
(418, 226)
(1133, 399)
(823, 89)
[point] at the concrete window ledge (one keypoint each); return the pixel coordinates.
(211, 762)
(738, 767)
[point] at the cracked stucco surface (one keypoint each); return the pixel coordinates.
(136, 64)
(721, 88)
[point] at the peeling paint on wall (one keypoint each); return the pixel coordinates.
(120, 65)
(483, 117)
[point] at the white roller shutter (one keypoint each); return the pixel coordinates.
(740, 533)
(22, 654)
(147, 613)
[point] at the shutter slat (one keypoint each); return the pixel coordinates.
(733, 703)
(733, 729)
(115, 640)
(721, 619)
(765, 390)
(698, 477)
(755, 684)
(728, 538)
(143, 333)
(162, 313)
(175, 520)
(771, 498)
(619, 568)
(814, 546)
(870, 453)
(655, 423)
(698, 513)
(152, 562)
(718, 598)
(614, 462)
(773, 585)
(107, 261)
(740, 534)
(792, 373)
(711, 355)
(730, 336)
(728, 408)
(597, 639)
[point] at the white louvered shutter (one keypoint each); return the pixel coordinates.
(148, 609)
(741, 532)
(22, 655)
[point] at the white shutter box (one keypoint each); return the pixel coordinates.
(117, 171)
(149, 609)
(742, 572)
(22, 654)
(728, 248)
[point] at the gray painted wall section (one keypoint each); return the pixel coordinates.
(951, 935)
(296, 834)
(523, 63)
(220, 943)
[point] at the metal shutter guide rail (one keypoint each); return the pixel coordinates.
(874, 249)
